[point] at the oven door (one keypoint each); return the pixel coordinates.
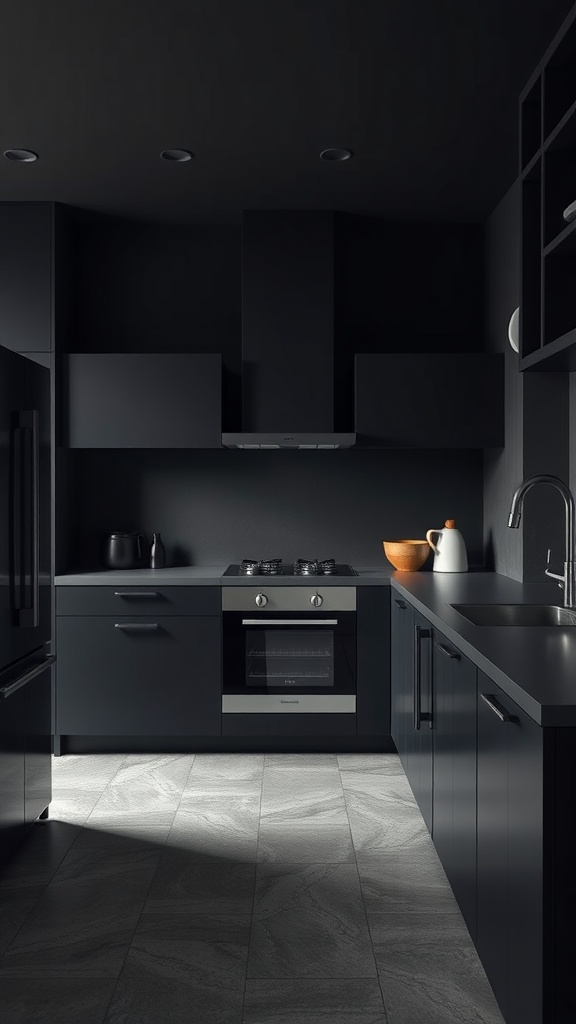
(293, 662)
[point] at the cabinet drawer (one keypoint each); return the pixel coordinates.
(138, 601)
(138, 675)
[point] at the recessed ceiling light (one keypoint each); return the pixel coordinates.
(21, 156)
(335, 154)
(178, 156)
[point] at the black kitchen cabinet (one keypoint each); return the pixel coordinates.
(138, 675)
(548, 255)
(401, 668)
(120, 400)
(373, 661)
(509, 934)
(454, 779)
(26, 276)
(138, 661)
(448, 400)
(411, 656)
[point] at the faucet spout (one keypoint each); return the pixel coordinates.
(516, 508)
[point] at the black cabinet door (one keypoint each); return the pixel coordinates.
(138, 676)
(510, 857)
(411, 699)
(25, 276)
(118, 400)
(454, 790)
(12, 742)
(38, 751)
(492, 887)
(401, 653)
(456, 400)
(420, 744)
(525, 864)
(373, 661)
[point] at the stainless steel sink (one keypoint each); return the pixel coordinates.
(517, 614)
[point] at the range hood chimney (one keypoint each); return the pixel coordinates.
(288, 332)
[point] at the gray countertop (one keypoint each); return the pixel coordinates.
(180, 576)
(211, 575)
(534, 665)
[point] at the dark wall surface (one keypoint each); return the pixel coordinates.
(503, 468)
(536, 422)
(220, 507)
(399, 288)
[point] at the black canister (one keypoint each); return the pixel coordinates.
(123, 550)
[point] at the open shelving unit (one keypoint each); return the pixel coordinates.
(548, 180)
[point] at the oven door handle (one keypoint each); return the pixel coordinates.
(289, 622)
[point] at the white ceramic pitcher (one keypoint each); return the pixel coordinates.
(449, 550)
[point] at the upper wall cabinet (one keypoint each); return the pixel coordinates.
(26, 309)
(118, 400)
(450, 400)
(548, 177)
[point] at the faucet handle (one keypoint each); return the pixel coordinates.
(553, 575)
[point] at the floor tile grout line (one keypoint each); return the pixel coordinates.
(144, 901)
(358, 873)
(253, 892)
(384, 1007)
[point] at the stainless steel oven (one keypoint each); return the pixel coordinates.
(289, 649)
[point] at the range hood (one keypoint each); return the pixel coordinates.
(288, 332)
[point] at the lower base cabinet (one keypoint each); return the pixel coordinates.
(503, 806)
(510, 924)
(411, 682)
(138, 675)
(454, 773)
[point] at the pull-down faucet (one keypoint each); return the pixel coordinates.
(568, 580)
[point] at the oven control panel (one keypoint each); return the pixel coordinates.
(289, 599)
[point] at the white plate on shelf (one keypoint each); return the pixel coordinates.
(514, 330)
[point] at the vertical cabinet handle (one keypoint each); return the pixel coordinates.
(494, 706)
(26, 518)
(420, 716)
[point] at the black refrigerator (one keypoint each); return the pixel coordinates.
(25, 597)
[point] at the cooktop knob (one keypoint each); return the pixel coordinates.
(316, 600)
(261, 600)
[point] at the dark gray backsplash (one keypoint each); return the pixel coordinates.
(219, 507)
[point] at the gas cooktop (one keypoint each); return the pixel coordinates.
(301, 567)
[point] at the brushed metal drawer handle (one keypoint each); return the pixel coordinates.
(137, 627)
(448, 651)
(490, 700)
(136, 593)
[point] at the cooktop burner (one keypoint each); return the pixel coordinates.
(302, 567)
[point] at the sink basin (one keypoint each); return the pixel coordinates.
(517, 614)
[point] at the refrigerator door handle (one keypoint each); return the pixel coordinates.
(16, 555)
(26, 677)
(30, 518)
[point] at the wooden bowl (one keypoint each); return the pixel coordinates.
(406, 555)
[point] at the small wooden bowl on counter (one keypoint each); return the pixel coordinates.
(406, 555)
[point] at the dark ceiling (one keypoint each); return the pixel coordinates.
(425, 93)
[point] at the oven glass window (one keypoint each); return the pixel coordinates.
(290, 658)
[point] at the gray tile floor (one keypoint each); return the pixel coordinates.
(238, 889)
